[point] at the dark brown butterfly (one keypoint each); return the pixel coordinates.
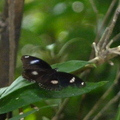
(37, 70)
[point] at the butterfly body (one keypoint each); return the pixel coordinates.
(37, 70)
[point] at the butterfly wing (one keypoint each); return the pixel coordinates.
(67, 79)
(59, 80)
(30, 62)
(34, 67)
(37, 75)
(32, 74)
(39, 71)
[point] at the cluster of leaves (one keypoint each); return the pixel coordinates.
(56, 32)
(22, 91)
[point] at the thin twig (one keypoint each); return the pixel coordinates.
(96, 12)
(94, 7)
(105, 55)
(106, 35)
(101, 41)
(62, 107)
(99, 51)
(103, 97)
(101, 28)
(110, 28)
(105, 19)
(116, 37)
(114, 100)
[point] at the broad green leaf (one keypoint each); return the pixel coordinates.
(70, 66)
(22, 93)
(17, 84)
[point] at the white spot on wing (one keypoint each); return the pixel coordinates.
(27, 56)
(34, 73)
(54, 81)
(72, 80)
(82, 83)
(34, 61)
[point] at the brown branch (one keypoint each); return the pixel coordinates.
(105, 19)
(106, 36)
(105, 55)
(103, 52)
(11, 25)
(103, 97)
(110, 28)
(96, 12)
(103, 25)
(12, 32)
(15, 7)
(102, 55)
(117, 37)
(94, 7)
(114, 100)
(60, 110)
(4, 50)
(12, 16)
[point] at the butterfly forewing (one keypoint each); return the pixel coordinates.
(32, 74)
(30, 62)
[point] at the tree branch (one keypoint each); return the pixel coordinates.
(105, 19)
(11, 23)
(115, 99)
(103, 51)
(61, 108)
(103, 97)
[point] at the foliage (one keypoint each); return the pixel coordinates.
(59, 31)
(32, 90)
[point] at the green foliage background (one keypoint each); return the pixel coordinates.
(62, 30)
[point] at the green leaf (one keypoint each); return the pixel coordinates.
(18, 117)
(21, 93)
(2, 90)
(17, 84)
(70, 66)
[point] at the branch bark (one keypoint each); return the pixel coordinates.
(11, 24)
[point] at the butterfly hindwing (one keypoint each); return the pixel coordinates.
(67, 79)
(59, 80)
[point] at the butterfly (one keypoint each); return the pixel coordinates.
(37, 70)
